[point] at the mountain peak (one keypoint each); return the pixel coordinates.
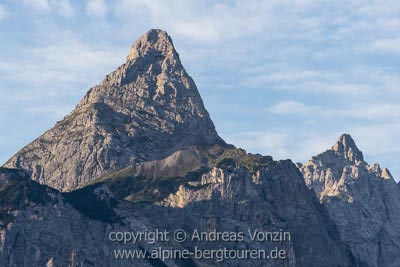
(146, 109)
(154, 42)
(153, 53)
(347, 148)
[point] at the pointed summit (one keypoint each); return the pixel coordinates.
(346, 148)
(147, 109)
(153, 51)
(153, 43)
(386, 174)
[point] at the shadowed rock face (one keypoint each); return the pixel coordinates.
(42, 227)
(363, 200)
(235, 195)
(146, 109)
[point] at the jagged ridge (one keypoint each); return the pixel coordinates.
(363, 200)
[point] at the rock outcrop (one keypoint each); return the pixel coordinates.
(264, 195)
(146, 109)
(363, 200)
(239, 193)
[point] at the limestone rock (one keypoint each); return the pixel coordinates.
(363, 200)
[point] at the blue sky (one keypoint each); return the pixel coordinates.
(283, 78)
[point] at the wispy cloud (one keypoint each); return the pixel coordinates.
(217, 21)
(63, 7)
(387, 45)
(65, 60)
(281, 145)
(3, 12)
(59, 7)
(307, 81)
(38, 5)
(293, 108)
(97, 8)
(366, 111)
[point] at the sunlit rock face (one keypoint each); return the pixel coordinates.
(362, 199)
(146, 109)
(274, 196)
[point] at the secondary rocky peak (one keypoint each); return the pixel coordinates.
(154, 42)
(347, 148)
(362, 199)
(386, 174)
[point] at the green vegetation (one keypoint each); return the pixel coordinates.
(124, 185)
(240, 158)
(226, 163)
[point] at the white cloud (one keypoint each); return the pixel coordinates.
(63, 7)
(65, 59)
(194, 22)
(97, 8)
(291, 107)
(387, 45)
(198, 30)
(307, 81)
(381, 111)
(333, 87)
(3, 12)
(376, 111)
(353, 79)
(39, 5)
(289, 76)
(213, 22)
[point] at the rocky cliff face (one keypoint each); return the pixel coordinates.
(245, 191)
(363, 200)
(146, 109)
(239, 193)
